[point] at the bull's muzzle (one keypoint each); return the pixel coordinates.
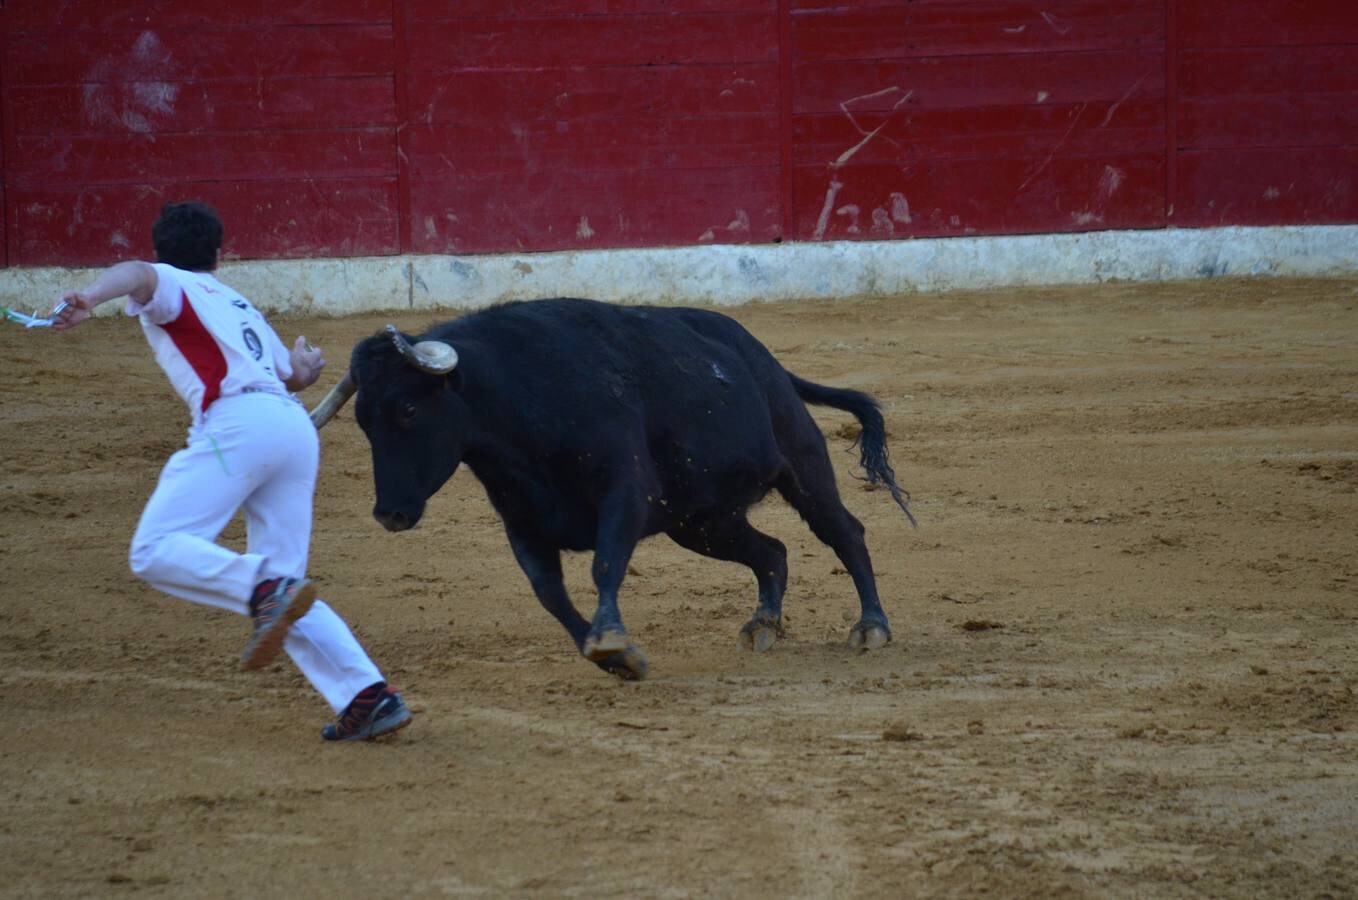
(395, 521)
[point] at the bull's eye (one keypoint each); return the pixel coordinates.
(408, 411)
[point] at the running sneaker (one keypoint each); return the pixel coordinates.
(370, 717)
(276, 604)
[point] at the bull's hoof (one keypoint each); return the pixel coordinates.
(629, 664)
(761, 633)
(869, 636)
(601, 644)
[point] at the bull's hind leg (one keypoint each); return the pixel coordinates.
(734, 539)
(542, 565)
(809, 485)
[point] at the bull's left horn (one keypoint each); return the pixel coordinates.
(434, 357)
(330, 404)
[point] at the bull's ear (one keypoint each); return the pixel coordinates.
(453, 381)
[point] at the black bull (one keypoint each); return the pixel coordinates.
(592, 426)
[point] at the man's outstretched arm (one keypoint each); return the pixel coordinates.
(133, 278)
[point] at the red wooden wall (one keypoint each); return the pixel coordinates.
(355, 127)
(1266, 95)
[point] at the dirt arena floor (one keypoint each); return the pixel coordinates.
(1126, 638)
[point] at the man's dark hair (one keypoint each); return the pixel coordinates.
(188, 236)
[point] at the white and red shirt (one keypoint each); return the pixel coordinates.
(210, 340)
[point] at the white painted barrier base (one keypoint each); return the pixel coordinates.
(735, 274)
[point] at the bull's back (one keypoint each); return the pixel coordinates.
(768, 381)
(582, 350)
(687, 391)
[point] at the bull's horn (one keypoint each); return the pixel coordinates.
(338, 396)
(434, 357)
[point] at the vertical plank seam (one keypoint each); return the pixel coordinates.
(8, 143)
(788, 196)
(400, 69)
(1171, 110)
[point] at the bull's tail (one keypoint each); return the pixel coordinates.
(871, 442)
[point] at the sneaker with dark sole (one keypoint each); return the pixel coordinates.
(276, 607)
(365, 722)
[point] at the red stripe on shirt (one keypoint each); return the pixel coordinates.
(200, 348)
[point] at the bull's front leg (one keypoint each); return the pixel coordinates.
(621, 520)
(542, 565)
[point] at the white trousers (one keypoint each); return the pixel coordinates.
(258, 452)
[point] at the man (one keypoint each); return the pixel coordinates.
(252, 446)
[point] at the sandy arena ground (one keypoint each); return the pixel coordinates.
(1125, 658)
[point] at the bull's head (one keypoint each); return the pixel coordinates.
(412, 415)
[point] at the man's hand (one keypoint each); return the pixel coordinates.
(70, 310)
(307, 363)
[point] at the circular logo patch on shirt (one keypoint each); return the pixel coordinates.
(253, 342)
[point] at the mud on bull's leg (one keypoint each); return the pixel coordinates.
(765, 627)
(871, 631)
(730, 537)
(813, 495)
(542, 565)
(606, 644)
(762, 631)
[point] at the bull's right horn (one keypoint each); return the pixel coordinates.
(434, 357)
(338, 396)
